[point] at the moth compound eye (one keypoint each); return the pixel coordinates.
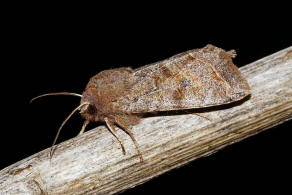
(91, 109)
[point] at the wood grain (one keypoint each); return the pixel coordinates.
(94, 164)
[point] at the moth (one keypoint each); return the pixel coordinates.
(193, 79)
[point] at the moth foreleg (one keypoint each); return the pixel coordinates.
(86, 122)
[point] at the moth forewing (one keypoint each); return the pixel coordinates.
(195, 79)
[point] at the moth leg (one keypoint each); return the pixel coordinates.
(86, 122)
(201, 115)
(112, 129)
(232, 53)
(121, 122)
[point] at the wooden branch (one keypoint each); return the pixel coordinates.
(94, 164)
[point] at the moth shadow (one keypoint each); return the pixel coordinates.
(197, 110)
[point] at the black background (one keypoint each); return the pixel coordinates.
(59, 50)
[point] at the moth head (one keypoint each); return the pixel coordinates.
(91, 109)
(89, 112)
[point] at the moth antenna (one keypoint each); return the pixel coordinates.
(60, 128)
(56, 93)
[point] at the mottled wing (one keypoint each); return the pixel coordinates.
(193, 79)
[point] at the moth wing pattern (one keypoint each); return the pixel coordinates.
(193, 79)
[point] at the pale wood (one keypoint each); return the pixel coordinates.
(93, 163)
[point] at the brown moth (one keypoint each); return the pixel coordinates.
(194, 79)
